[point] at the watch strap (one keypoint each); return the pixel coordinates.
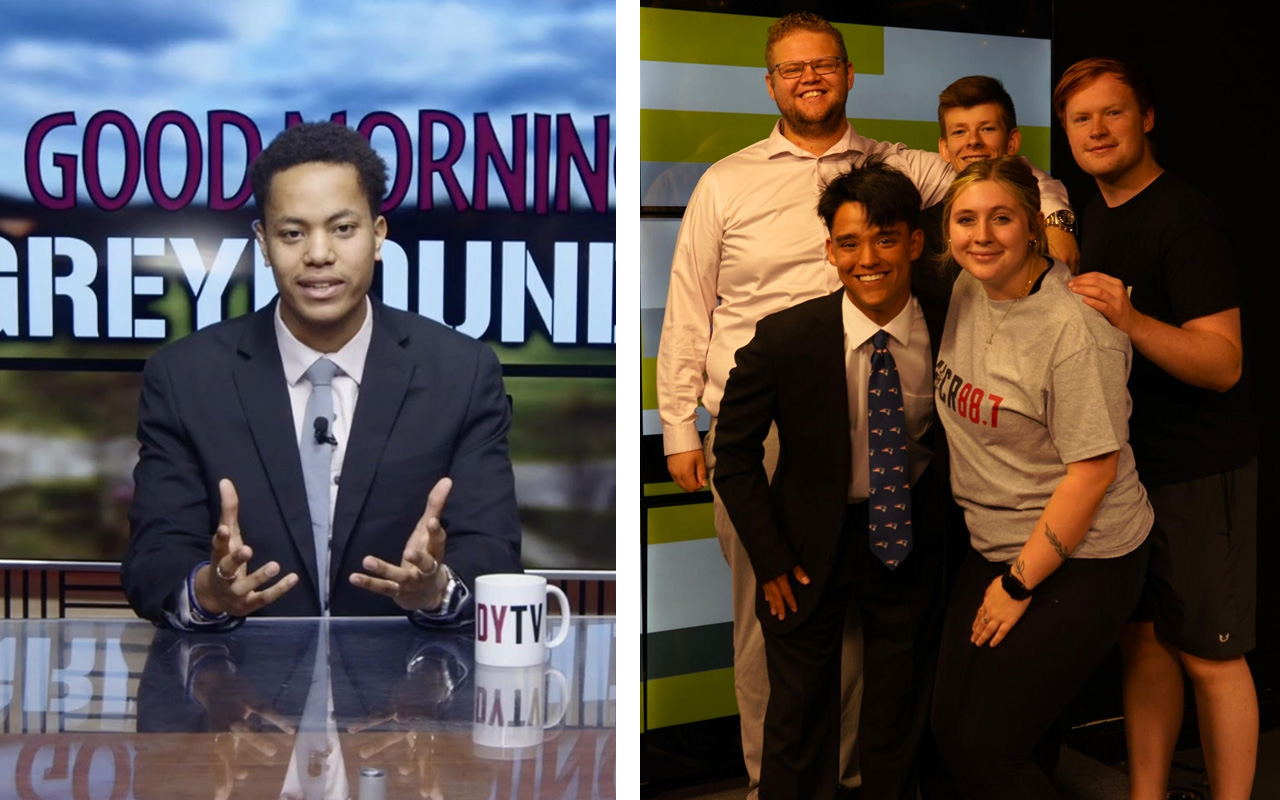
(1064, 219)
(1012, 586)
(453, 606)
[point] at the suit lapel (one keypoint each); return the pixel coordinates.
(264, 397)
(387, 371)
(826, 399)
(830, 368)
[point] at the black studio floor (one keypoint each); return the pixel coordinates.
(1079, 777)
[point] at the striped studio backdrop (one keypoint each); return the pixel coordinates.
(702, 97)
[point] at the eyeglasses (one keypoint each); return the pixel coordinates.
(794, 69)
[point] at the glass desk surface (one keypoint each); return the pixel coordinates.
(120, 709)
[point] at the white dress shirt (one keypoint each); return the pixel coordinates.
(911, 351)
(751, 243)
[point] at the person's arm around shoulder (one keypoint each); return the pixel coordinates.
(931, 173)
(1207, 351)
(686, 333)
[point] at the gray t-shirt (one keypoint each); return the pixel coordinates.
(1049, 389)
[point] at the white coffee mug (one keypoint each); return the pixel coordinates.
(511, 620)
(513, 711)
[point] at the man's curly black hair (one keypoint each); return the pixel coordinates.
(322, 142)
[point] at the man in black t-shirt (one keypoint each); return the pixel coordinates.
(1163, 274)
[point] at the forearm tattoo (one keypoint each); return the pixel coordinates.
(1018, 568)
(1062, 551)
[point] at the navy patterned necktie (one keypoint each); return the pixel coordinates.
(317, 463)
(889, 506)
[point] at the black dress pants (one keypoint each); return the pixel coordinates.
(901, 612)
(993, 704)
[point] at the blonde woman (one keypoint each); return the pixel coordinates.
(1030, 385)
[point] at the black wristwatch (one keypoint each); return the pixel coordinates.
(1012, 586)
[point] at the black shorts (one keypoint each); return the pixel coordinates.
(1202, 583)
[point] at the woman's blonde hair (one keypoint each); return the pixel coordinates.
(1015, 175)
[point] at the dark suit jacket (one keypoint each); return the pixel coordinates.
(215, 405)
(793, 372)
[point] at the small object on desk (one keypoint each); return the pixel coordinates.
(373, 784)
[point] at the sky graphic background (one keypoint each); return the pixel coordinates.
(262, 59)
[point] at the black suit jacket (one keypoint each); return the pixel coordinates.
(215, 405)
(793, 372)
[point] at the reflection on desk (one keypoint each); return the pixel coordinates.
(296, 708)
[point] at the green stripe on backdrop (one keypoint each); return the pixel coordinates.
(683, 523)
(704, 137)
(689, 698)
(1035, 146)
(684, 651)
(733, 40)
(659, 489)
(699, 137)
(648, 384)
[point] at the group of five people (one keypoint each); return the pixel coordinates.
(855, 395)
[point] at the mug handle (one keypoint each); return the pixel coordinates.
(564, 616)
(559, 678)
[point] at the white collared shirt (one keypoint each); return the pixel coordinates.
(911, 351)
(297, 358)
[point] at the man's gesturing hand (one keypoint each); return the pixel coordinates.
(222, 586)
(417, 584)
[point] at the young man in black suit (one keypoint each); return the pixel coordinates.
(857, 505)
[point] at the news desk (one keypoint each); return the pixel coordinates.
(121, 710)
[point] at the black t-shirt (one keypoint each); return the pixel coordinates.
(1168, 244)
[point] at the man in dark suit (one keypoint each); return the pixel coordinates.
(224, 521)
(834, 523)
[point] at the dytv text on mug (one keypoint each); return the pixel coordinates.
(511, 619)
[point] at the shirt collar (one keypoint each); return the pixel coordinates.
(297, 358)
(779, 144)
(858, 329)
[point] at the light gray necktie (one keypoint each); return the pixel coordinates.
(317, 464)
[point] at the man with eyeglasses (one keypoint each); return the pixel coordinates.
(750, 244)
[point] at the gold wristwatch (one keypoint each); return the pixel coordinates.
(1063, 219)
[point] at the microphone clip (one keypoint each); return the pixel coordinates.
(322, 433)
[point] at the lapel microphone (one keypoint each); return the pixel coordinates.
(322, 432)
